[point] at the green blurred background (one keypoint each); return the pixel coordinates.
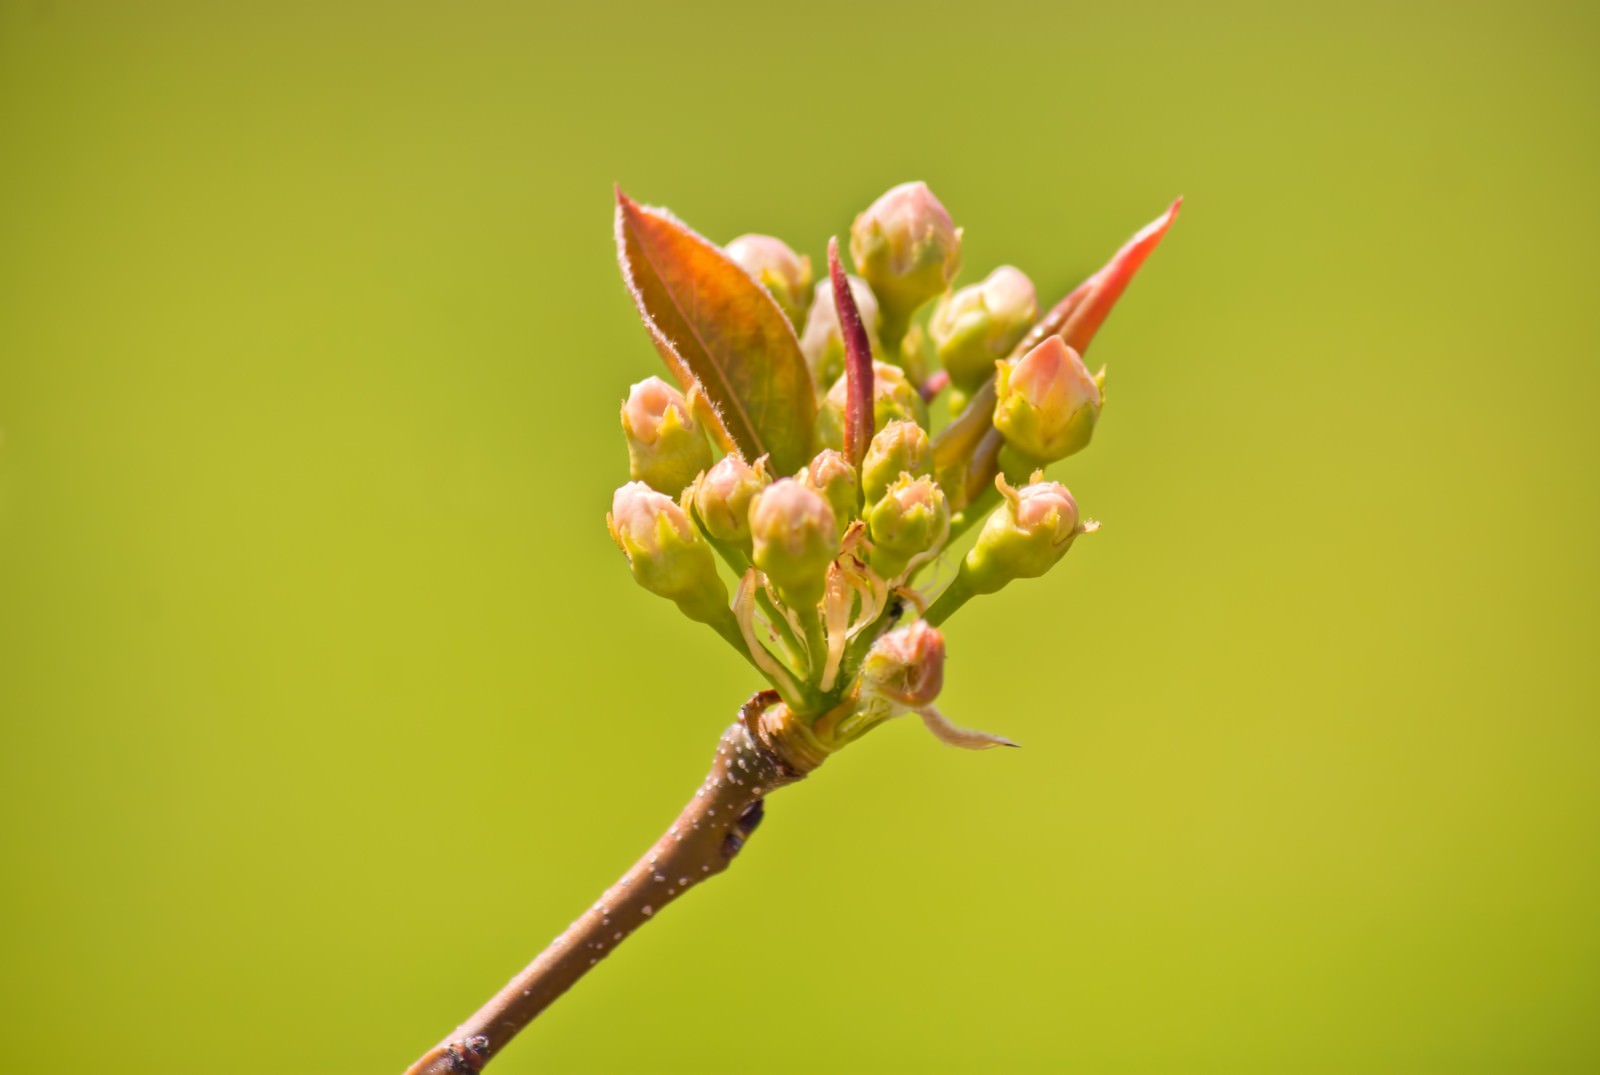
(326, 701)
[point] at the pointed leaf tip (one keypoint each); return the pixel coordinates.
(969, 444)
(859, 423)
(1102, 290)
(721, 334)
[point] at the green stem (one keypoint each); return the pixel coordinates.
(892, 329)
(736, 559)
(780, 623)
(958, 593)
(816, 641)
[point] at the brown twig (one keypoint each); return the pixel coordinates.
(765, 749)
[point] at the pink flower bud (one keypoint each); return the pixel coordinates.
(1047, 507)
(900, 447)
(906, 665)
(822, 342)
(785, 274)
(665, 446)
(796, 537)
(831, 474)
(1024, 537)
(665, 551)
(910, 520)
(906, 247)
(1047, 402)
(723, 495)
(637, 515)
(976, 326)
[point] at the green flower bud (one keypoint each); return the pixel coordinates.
(667, 554)
(977, 326)
(905, 665)
(722, 497)
(831, 474)
(795, 538)
(901, 447)
(777, 268)
(911, 519)
(906, 247)
(1022, 538)
(1046, 402)
(893, 397)
(665, 446)
(822, 342)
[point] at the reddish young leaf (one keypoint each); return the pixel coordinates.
(1075, 319)
(858, 413)
(1105, 287)
(719, 331)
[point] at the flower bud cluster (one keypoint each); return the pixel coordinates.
(828, 558)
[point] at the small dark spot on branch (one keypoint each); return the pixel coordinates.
(468, 1059)
(742, 828)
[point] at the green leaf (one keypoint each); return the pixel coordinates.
(721, 334)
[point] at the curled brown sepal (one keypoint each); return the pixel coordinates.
(858, 418)
(965, 738)
(1075, 319)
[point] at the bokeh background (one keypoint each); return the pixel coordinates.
(326, 701)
